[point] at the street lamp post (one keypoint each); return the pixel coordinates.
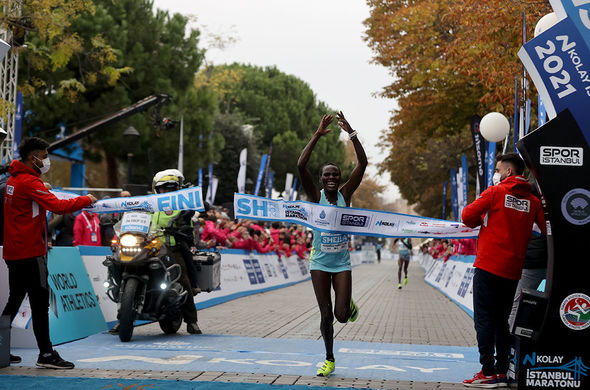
(131, 136)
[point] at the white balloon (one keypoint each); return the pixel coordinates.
(494, 127)
(545, 23)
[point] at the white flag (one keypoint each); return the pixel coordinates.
(214, 189)
(181, 146)
(242, 172)
(288, 185)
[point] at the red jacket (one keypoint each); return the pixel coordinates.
(87, 229)
(25, 203)
(506, 213)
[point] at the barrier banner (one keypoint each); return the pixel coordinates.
(74, 311)
(334, 219)
(454, 278)
(558, 62)
(185, 199)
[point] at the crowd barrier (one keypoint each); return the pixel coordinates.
(80, 307)
(453, 278)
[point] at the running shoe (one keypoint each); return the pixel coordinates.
(15, 359)
(482, 381)
(501, 380)
(193, 328)
(327, 368)
(354, 312)
(53, 360)
(406, 280)
(399, 286)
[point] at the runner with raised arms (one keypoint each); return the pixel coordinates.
(330, 259)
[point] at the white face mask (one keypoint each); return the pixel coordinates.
(496, 179)
(45, 165)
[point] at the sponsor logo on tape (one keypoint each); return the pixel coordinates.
(354, 220)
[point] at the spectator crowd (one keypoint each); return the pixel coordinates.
(445, 248)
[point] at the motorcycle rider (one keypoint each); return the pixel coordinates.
(167, 181)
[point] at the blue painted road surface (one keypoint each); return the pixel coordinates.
(300, 357)
(47, 383)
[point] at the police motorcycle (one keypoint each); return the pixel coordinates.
(142, 278)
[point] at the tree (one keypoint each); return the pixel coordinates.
(282, 108)
(230, 126)
(451, 60)
(160, 55)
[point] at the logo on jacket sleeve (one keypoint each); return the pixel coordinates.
(513, 202)
(10, 190)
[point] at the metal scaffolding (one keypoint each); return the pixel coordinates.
(8, 83)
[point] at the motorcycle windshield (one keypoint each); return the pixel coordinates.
(134, 222)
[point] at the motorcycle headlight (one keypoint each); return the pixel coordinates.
(128, 240)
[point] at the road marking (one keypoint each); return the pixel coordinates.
(181, 359)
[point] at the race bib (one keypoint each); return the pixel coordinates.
(332, 243)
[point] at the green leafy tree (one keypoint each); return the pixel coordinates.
(283, 110)
(231, 127)
(159, 53)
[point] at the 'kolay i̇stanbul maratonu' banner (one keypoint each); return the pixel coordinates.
(334, 219)
(185, 199)
(558, 61)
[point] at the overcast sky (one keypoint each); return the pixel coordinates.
(319, 42)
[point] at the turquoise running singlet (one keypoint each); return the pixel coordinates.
(329, 252)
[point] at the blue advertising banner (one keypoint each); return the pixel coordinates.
(515, 117)
(490, 164)
(464, 171)
(294, 188)
(558, 62)
(454, 200)
(541, 113)
(444, 200)
(18, 123)
(74, 311)
(578, 11)
(260, 174)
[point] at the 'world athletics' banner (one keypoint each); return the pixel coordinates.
(185, 199)
(347, 220)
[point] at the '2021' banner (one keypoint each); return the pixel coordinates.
(347, 220)
(558, 61)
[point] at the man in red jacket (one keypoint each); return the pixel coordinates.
(25, 242)
(506, 212)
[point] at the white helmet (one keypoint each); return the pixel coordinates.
(167, 178)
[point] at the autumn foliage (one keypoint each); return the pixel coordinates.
(449, 60)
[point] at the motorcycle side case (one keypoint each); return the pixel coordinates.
(209, 276)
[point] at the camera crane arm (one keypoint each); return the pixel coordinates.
(144, 104)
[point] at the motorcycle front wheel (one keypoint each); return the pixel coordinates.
(171, 326)
(127, 312)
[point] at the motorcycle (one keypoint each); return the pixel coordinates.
(142, 277)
